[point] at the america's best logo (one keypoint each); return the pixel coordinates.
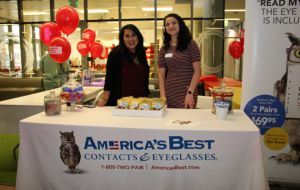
(173, 143)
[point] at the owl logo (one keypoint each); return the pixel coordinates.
(291, 125)
(69, 152)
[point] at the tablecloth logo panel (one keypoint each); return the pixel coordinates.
(176, 148)
(173, 143)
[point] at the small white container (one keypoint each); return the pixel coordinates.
(221, 109)
(221, 112)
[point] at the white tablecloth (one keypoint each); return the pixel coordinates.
(15, 109)
(138, 153)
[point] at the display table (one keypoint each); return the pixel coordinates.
(184, 150)
(15, 109)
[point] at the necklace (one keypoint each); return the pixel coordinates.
(135, 59)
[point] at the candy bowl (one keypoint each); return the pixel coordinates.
(72, 93)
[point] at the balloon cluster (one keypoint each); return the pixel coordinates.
(236, 48)
(67, 20)
(88, 45)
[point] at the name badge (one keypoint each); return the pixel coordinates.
(169, 55)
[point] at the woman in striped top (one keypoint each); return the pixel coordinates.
(179, 64)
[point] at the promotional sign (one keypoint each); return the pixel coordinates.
(186, 149)
(271, 83)
(87, 158)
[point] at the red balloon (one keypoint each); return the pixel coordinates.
(48, 31)
(236, 49)
(59, 49)
(89, 35)
(96, 49)
(67, 19)
(83, 47)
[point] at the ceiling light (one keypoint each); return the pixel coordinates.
(27, 13)
(216, 28)
(151, 9)
(235, 10)
(95, 11)
(129, 7)
(226, 19)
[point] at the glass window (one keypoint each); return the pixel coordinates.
(103, 9)
(208, 9)
(9, 11)
(137, 9)
(159, 31)
(10, 54)
(4, 54)
(77, 4)
(103, 17)
(32, 47)
(209, 36)
(180, 7)
(34, 11)
(106, 32)
(15, 29)
(39, 49)
(73, 39)
(3, 28)
(36, 45)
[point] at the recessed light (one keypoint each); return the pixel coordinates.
(227, 19)
(27, 13)
(151, 9)
(235, 10)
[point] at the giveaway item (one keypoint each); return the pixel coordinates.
(221, 109)
(224, 94)
(72, 93)
(139, 107)
(52, 103)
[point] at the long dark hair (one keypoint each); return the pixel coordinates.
(140, 50)
(184, 37)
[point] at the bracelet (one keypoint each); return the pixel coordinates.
(189, 91)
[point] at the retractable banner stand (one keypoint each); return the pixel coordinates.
(271, 83)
